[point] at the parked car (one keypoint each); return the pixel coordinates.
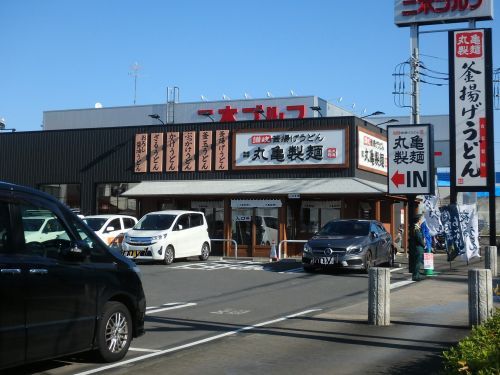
(167, 235)
(349, 244)
(41, 228)
(65, 294)
(110, 227)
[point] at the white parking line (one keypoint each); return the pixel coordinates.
(148, 312)
(144, 350)
(294, 270)
(195, 343)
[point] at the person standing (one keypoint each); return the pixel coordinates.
(417, 248)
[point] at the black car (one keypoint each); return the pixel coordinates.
(62, 291)
(349, 244)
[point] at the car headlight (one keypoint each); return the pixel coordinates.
(307, 248)
(158, 237)
(355, 250)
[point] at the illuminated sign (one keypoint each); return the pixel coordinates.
(420, 12)
(296, 149)
(372, 152)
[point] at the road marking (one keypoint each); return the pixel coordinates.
(148, 312)
(165, 304)
(399, 284)
(397, 269)
(195, 343)
(144, 350)
(294, 270)
(230, 312)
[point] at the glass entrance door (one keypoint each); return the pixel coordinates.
(242, 223)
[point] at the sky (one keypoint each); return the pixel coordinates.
(60, 54)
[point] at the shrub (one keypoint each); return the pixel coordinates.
(478, 353)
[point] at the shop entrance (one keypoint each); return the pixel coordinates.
(255, 229)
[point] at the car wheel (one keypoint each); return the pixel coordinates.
(114, 332)
(169, 255)
(205, 252)
(368, 261)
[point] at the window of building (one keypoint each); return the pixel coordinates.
(69, 194)
(315, 214)
(111, 201)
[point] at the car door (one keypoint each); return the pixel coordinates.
(111, 230)
(181, 237)
(12, 308)
(59, 290)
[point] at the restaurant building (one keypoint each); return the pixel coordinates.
(258, 181)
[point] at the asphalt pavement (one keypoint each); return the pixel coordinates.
(427, 317)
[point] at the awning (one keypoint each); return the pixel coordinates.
(305, 186)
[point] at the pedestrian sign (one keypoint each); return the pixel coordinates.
(410, 159)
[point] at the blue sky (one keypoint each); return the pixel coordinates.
(60, 54)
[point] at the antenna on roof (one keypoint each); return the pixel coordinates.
(292, 93)
(225, 97)
(247, 96)
(135, 72)
(203, 98)
(269, 95)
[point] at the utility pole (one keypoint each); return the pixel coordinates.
(135, 72)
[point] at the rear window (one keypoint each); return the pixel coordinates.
(345, 228)
(155, 222)
(196, 220)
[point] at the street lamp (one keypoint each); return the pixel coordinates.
(317, 108)
(392, 120)
(157, 117)
(376, 113)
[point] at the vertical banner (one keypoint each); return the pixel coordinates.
(453, 230)
(205, 151)
(469, 224)
(156, 153)
(221, 150)
(188, 151)
(468, 107)
(172, 152)
(141, 152)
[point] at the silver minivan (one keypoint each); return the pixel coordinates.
(167, 235)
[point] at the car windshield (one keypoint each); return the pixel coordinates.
(345, 228)
(32, 225)
(155, 222)
(95, 223)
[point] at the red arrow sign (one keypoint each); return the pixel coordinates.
(398, 179)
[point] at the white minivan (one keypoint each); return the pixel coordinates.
(167, 235)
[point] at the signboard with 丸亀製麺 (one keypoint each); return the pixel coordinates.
(410, 165)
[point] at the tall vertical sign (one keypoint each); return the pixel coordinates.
(471, 116)
(172, 152)
(156, 158)
(188, 151)
(205, 151)
(469, 98)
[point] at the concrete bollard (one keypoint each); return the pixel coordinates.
(490, 259)
(480, 296)
(379, 296)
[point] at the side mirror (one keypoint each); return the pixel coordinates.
(179, 227)
(374, 235)
(110, 229)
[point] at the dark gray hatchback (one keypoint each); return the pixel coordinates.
(349, 244)
(62, 290)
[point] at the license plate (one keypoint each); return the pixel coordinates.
(324, 260)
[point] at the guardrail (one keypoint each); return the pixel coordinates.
(286, 241)
(226, 240)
